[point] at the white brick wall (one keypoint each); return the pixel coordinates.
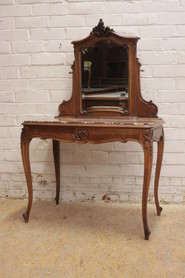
(35, 59)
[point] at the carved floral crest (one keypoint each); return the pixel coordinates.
(100, 30)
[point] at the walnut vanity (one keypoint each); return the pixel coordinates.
(106, 106)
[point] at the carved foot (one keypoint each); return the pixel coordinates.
(26, 217)
(147, 234)
(57, 201)
(159, 211)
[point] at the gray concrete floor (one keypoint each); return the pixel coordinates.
(90, 240)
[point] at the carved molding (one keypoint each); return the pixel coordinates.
(148, 139)
(80, 135)
(24, 135)
(100, 30)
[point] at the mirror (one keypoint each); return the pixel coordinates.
(104, 72)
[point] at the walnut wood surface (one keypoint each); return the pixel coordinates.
(81, 132)
(137, 106)
(100, 125)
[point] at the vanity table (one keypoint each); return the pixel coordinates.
(106, 106)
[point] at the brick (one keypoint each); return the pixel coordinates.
(40, 84)
(66, 21)
(73, 170)
(174, 19)
(31, 22)
(47, 34)
(75, 33)
(42, 72)
(12, 132)
(116, 158)
(181, 58)
(177, 198)
(10, 72)
(169, 71)
(55, 9)
(18, 35)
(99, 157)
(157, 31)
(58, 95)
(81, 157)
(4, 47)
(174, 43)
(7, 2)
(123, 7)
(170, 109)
(48, 59)
(27, 47)
(180, 31)
(161, 58)
(180, 83)
(16, 10)
(85, 8)
(150, 44)
(6, 97)
(12, 109)
(12, 155)
(46, 109)
(175, 96)
(29, 108)
(7, 23)
(96, 170)
(176, 121)
(41, 31)
(132, 158)
(130, 146)
(97, 147)
(14, 60)
(150, 95)
(38, 1)
(158, 84)
(4, 143)
(31, 96)
(158, 6)
(14, 84)
(171, 171)
(135, 170)
(58, 46)
(141, 19)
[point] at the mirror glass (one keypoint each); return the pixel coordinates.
(104, 71)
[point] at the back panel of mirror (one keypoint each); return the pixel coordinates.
(104, 72)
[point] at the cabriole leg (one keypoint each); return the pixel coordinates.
(160, 148)
(25, 142)
(148, 155)
(56, 155)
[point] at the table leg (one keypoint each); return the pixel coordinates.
(160, 148)
(56, 155)
(25, 142)
(148, 155)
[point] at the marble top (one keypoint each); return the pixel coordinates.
(132, 122)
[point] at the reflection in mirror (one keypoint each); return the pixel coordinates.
(104, 71)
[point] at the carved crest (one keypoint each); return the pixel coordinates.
(100, 30)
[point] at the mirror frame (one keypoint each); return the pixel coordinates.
(137, 106)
